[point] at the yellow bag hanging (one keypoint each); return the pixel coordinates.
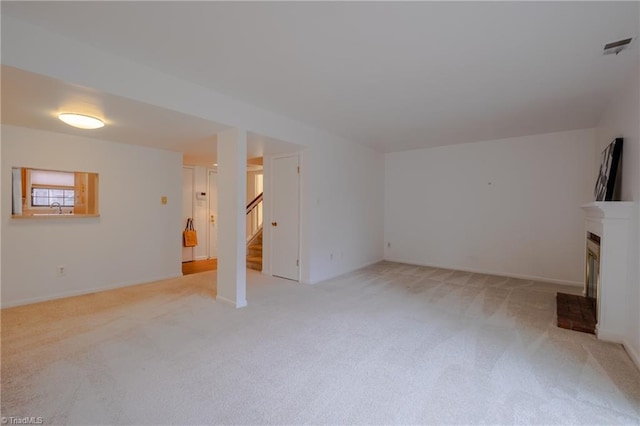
(190, 237)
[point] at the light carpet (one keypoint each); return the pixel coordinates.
(387, 344)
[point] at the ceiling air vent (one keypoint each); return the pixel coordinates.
(617, 46)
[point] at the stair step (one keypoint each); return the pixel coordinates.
(254, 253)
(257, 238)
(257, 251)
(255, 266)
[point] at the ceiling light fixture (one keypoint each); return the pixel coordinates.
(81, 121)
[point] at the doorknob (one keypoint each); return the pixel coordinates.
(274, 223)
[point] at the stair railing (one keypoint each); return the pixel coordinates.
(254, 217)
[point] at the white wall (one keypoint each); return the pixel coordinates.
(509, 207)
(135, 239)
(251, 185)
(341, 204)
(345, 201)
(621, 119)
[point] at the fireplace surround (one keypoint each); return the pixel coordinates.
(607, 266)
(592, 272)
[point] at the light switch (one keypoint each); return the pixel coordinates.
(163, 200)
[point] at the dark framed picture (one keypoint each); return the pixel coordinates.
(609, 165)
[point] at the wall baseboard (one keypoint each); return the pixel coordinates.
(613, 337)
(500, 274)
(633, 354)
(82, 292)
(312, 282)
(231, 303)
(609, 336)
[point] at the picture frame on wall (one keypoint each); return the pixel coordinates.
(609, 165)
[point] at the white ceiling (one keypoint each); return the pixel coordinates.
(34, 101)
(393, 75)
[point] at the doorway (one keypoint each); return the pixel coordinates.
(188, 254)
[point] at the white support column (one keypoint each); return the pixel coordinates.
(232, 193)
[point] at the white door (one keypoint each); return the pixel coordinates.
(285, 220)
(187, 208)
(213, 214)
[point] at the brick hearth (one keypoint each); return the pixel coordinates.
(576, 313)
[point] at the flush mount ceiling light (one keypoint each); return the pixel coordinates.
(81, 121)
(617, 46)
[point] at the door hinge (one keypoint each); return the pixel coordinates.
(297, 262)
(298, 169)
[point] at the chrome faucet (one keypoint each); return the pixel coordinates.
(57, 204)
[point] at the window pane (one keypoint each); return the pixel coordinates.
(68, 198)
(41, 197)
(40, 201)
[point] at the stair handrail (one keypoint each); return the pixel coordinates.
(254, 217)
(254, 203)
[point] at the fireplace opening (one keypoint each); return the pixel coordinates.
(579, 313)
(592, 273)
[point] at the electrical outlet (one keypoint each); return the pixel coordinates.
(61, 270)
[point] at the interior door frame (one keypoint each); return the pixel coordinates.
(193, 205)
(209, 197)
(265, 220)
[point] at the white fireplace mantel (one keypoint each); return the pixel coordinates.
(611, 221)
(609, 209)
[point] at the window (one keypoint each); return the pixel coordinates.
(44, 197)
(49, 187)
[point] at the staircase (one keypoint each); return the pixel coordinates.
(254, 252)
(254, 233)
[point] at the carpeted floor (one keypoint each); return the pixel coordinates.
(388, 344)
